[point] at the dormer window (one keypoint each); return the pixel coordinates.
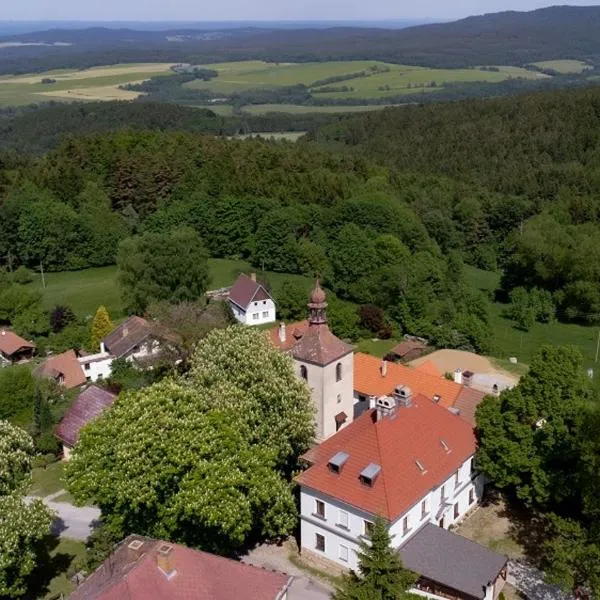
(337, 461)
(369, 474)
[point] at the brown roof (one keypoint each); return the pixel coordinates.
(245, 290)
(131, 333)
(319, 346)
(90, 404)
(293, 333)
(400, 446)
(10, 343)
(63, 365)
(403, 348)
(130, 574)
(467, 402)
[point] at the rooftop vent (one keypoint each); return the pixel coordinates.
(454, 410)
(436, 398)
(420, 466)
(369, 474)
(403, 395)
(135, 545)
(445, 446)
(336, 462)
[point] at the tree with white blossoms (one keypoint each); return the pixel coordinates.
(201, 460)
(22, 524)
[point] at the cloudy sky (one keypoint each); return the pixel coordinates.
(198, 10)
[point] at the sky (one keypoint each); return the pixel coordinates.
(238, 10)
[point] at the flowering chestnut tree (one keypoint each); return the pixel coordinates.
(22, 524)
(191, 460)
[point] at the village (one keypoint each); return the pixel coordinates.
(394, 440)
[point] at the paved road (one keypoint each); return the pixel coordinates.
(72, 521)
(530, 582)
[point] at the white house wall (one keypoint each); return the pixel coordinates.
(335, 536)
(94, 368)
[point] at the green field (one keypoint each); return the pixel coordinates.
(98, 83)
(563, 66)
(509, 341)
(395, 79)
(298, 109)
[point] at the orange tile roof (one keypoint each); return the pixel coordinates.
(10, 343)
(415, 434)
(368, 380)
(65, 364)
(428, 367)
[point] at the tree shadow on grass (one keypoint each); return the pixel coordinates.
(50, 564)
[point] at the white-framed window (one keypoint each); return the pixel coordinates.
(343, 553)
(456, 511)
(87, 366)
(405, 526)
(338, 372)
(265, 314)
(423, 509)
(320, 509)
(368, 528)
(443, 493)
(343, 519)
(457, 479)
(319, 542)
(255, 316)
(471, 496)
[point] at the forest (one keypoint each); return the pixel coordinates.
(511, 38)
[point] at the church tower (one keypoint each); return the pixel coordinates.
(327, 365)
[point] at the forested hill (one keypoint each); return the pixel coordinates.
(502, 38)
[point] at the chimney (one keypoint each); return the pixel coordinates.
(403, 396)
(135, 549)
(282, 335)
(467, 378)
(253, 276)
(165, 560)
(458, 376)
(383, 368)
(386, 407)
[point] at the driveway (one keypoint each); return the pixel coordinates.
(71, 521)
(530, 582)
(275, 558)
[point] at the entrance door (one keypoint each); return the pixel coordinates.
(441, 523)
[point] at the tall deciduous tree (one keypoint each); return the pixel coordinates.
(101, 327)
(22, 524)
(212, 453)
(382, 574)
(169, 266)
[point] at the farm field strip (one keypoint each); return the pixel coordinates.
(564, 66)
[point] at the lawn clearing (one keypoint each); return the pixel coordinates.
(375, 346)
(47, 480)
(290, 136)
(564, 67)
(66, 552)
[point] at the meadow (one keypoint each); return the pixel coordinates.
(387, 80)
(564, 67)
(98, 83)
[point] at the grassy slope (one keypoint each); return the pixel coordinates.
(563, 66)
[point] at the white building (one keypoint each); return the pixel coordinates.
(96, 366)
(250, 302)
(324, 361)
(409, 461)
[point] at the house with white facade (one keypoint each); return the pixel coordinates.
(411, 462)
(250, 302)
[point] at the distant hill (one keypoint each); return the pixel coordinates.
(516, 38)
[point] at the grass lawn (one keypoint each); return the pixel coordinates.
(563, 66)
(57, 572)
(47, 480)
(376, 347)
(509, 341)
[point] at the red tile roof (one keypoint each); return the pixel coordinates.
(415, 434)
(89, 405)
(428, 367)
(245, 290)
(63, 365)
(368, 380)
(135, 575)
(10, 343)
(131, 333)
(293, 333)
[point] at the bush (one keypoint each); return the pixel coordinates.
(48, 444)
(43, 460)
(22, 275)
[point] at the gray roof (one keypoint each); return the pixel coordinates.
(133, 332)
(452, 560)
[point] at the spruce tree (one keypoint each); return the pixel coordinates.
(382, 574)
(101, 327)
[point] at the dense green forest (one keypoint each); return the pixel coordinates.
(530, 171)
(502, 38)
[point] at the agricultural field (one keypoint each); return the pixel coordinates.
(98, 83)
(377, 79)
(564, 67)
(298, 109)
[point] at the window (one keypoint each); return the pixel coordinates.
(443, 493)
(265, 314)
(88, 378)
(255, 316)
(472, 466)
(256, 304)
(344, 553)
(423, 509)
(320, 509)
(456, 511)
(303, 372)
(367, 528)
(405, 527)
(87, 366)
(343, 519)
(338, 372)
(471, 496)
(456, 479)
(339, 398)
(320, 542)
(99, 376)
(264, 301)
(362, 398)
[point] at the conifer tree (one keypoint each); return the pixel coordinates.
(382, 574)
(101, 327)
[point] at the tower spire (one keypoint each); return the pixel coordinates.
(317, 306)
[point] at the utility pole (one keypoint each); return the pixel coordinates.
(42, 272)
(598, 346)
